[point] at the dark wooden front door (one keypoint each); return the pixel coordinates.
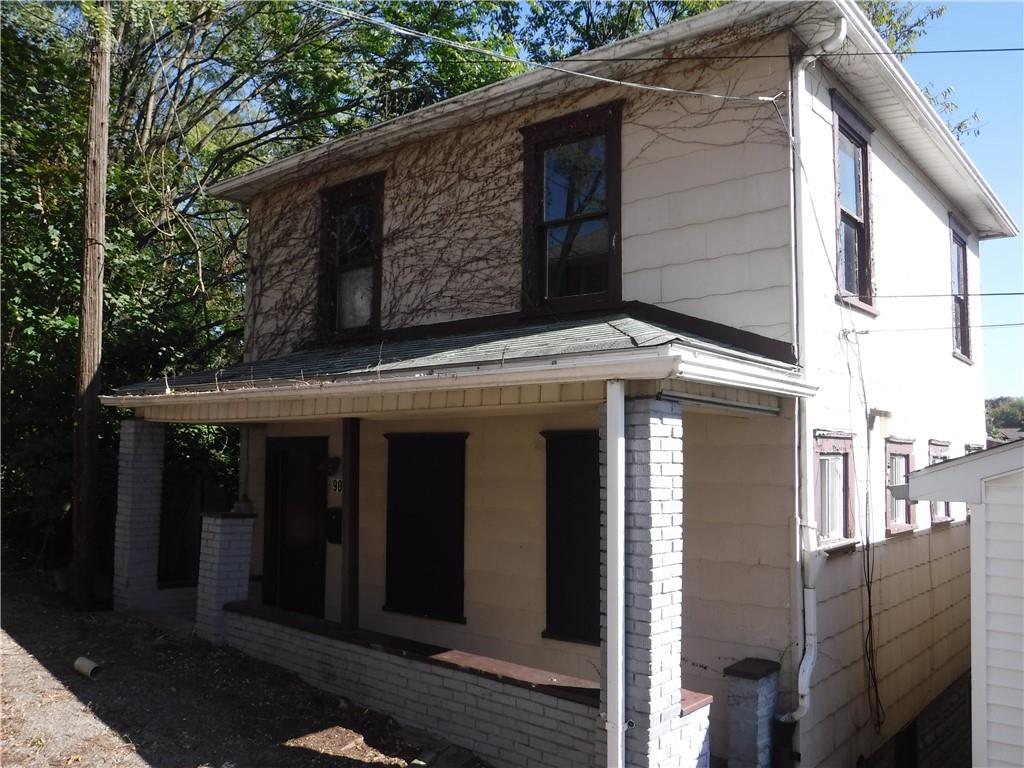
(296, 508)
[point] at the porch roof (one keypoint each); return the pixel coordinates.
(617, 345)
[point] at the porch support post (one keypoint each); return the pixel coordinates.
(615, 494)
(140, 469)
(651, 595)
(225, 552)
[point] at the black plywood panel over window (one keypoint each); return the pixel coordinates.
(426, 524)
(573, 536)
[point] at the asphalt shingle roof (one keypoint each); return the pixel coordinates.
(577, 336)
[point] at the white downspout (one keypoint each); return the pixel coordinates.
(812, 558)
(615, 439)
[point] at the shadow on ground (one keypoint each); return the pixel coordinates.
(175, 700)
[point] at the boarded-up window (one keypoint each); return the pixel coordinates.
(573, 537)
(425, 525)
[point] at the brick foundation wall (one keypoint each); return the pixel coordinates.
(506, 724)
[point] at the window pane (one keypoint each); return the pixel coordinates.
(832, 474)
(574, 179)
(577, 258)
(962, 331)
(849, 269)
(959, 286)
(898, 476)
(355, 297)
(353, 233)
(850, 197)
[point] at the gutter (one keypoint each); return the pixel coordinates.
(910, 96)
(811, 558)
(655, 363)
(666, 361)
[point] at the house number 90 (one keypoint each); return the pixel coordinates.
(335, 485)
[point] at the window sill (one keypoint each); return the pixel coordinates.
(941, 522)
(854, 302)
(838, 546)
(962, 357)
(898, 529)
(548, 635)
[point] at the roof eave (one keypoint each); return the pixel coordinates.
(244, 187)
(913, 99)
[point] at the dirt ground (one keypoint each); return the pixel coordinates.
(162, 699)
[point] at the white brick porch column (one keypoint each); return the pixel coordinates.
(224, 555)
(140, 470)
(654, 582)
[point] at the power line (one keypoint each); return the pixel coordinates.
(943, 295)
(864, 332)
(408, 32)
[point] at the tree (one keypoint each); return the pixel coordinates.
(202, 91)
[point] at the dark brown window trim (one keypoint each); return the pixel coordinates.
(854, 302)
(370, 187)
(848, 121)
(959, 236)
(604, 119)
(897, 446)
(836, 443)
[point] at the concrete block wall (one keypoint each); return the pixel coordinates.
(511, 726)
(224, 557)
(940, 736)
(140, 467)
(921, 599)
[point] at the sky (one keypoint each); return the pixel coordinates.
(991, 84)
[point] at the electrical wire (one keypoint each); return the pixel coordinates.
(409, 32)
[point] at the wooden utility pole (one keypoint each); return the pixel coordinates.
(90, 326)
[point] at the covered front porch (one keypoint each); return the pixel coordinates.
(446, 552)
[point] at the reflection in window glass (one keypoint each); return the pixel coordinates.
(898, 467)
(832, 478)
(577, 258)
(574, 179)
(849, 270)
(355, 297)
(850, 188)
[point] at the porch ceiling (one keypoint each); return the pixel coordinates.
(616, 345)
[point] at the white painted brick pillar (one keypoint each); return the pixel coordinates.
(654, 582)
(224, 556)
(140, 470)
(753, 694)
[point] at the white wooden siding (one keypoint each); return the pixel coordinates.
(1001, 655)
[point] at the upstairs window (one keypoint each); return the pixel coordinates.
(571, 209)
(853, 203)
(899, 463)
(350, 249)
(961, 308)
(834, 486)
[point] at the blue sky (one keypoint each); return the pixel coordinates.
(991, 84)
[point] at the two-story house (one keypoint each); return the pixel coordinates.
(570, 405)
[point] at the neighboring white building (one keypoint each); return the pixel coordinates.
(992, 483)
(706, 254)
